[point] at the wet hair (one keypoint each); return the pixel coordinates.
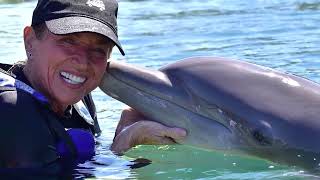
(40, 30)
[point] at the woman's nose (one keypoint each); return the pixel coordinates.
(80, 58)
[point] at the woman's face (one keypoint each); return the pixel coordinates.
(66, 67)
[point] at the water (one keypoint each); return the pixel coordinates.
(282, 34)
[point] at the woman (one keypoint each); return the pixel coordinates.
(67, 46)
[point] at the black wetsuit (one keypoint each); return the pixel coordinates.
(29, 129)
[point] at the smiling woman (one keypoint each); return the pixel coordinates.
(68, 66)
(45, 102)
(63, 67)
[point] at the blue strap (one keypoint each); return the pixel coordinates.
(8, 81)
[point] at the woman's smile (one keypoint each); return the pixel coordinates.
(72, 78)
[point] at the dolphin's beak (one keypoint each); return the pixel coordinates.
(151, 81)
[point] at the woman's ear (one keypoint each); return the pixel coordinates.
(29, 37)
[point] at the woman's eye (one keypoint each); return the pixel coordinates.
(99, 52)
(69, 41)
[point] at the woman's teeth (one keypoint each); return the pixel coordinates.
(72, 79)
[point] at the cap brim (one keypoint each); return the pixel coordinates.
(68, 25)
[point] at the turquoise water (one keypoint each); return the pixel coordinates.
(282, 34)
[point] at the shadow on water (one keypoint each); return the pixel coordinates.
(308, 6)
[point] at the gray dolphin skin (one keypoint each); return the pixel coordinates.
(227, 105)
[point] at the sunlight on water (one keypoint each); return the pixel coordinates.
(281, 34)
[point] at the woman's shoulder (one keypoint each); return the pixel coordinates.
(23, 127)
(20, 112)
(11, 97)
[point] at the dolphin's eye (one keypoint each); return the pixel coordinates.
(261, 138)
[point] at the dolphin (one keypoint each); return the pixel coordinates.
(227, 105)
